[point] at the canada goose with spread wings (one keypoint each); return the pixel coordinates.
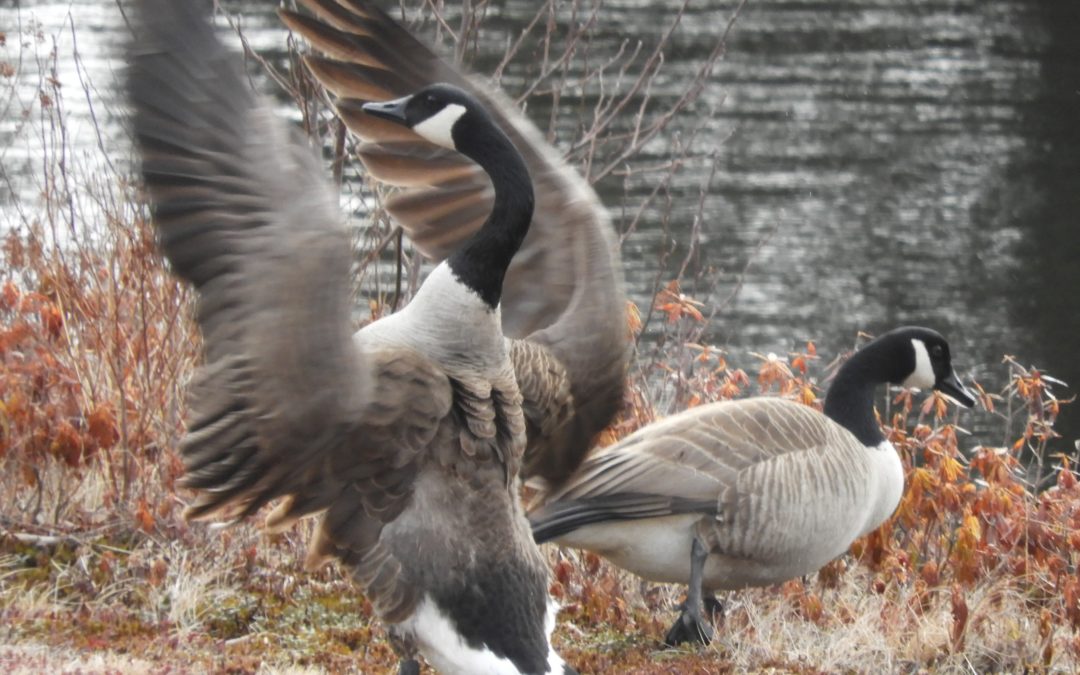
(408, 436)
(562, 298)
(748, 492)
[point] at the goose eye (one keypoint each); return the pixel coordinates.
(937, 351)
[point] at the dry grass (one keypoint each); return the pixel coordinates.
(975, 573)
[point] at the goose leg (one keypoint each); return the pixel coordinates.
(710, 606)
(691, 626)
(405, 649)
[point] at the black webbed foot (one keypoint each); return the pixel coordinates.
(408, 667)
(689, 628)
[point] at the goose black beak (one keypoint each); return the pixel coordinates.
(389, 110)
(952, 387)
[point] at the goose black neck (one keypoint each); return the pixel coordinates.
(850, 400)
(481, 262)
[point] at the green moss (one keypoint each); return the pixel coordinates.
(231, 617)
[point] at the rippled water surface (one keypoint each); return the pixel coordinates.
(872, 162)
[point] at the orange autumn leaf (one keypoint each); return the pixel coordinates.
(67, 444)
(799, 363)
(9, 297)
(936, 403)
(972, 527)
(144, 518)
(773, 369)
(951, 470)
(633, 318)
(1071, 598)
(52, 320)
(101, 425)
(676, 305)
(985, 398)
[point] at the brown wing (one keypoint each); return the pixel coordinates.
(242, 215)
(694, 461)
(548, 401)
(411, 399)
(476, 433)
(563, 290)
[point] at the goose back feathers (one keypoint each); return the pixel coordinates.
(408, 436)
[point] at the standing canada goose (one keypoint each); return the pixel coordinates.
(407, 437)
(750, 492)
(562, 298)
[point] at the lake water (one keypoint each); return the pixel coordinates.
(873, 162)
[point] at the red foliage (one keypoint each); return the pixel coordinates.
(93, 350)
(41, 394)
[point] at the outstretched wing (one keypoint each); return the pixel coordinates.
(243, 216)
(563, 292)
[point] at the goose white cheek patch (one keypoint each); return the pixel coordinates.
(438, 127)
(923, 375)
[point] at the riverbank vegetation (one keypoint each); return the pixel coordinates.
(976, 572)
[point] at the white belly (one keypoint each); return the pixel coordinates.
(658, 549)
(653, 548)
(447, 651)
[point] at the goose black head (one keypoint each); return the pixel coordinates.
(440, 113)
(926, 363)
